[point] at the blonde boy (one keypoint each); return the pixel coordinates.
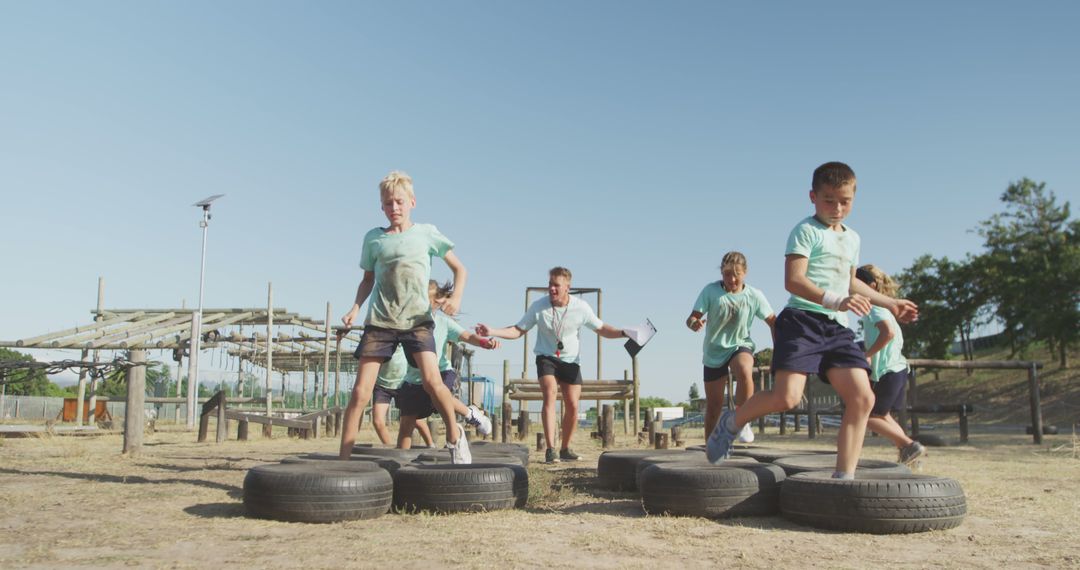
(811, 332)
(397, 266)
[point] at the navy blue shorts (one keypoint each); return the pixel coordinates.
(812, 343)
(711, 374)
(889, 393)
(565, 372)
(379, 342)
(382, 395)
(413, 400)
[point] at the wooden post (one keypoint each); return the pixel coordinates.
(134, 416)
(81, 394)
(656, 426)
(761, 388)
(303, 384)
(608, 424)
(637, 400)
(222, 422)
(337, 374)
(626, 406)
(506, 385)
(783, 423)
(267, 427)
(1036, 406)
(193, 366)
(661, 441)
(540, 441)
(650, 427)
(94, 381)
(507, 411)
(523, 425)
(676, 436)
(811, 410)
(242, 430)
(326, 363)
(337, 420)
(963, 423)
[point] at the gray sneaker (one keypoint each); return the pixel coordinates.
(567, 455)
(718, 447)
(912, 453)
(550, 457)
(459, 452)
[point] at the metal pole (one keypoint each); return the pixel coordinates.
(196, 329)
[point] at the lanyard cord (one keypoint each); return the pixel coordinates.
(558, 327)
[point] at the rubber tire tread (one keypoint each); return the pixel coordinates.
(827, 462)
(499, 448)
(692, 458)
(386, 463)
(712, 491)
(874, 503)
(494, 458)
(445, 488)
(317, 492)
(771, 454)
(617, 470)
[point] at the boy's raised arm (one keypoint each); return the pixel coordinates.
(904, 310)
(451, 306)
(509, 333)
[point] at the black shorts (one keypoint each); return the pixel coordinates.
(382, 395)
(889, 393)
(812, 343)
(413, 400)
(379, 342)
(711, 374)
(565, 372)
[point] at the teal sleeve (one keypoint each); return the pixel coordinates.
(801, 241)
(701, 305)
(367, 254)
(439, 244)
(591, 320)
(764, 309)
(528, 320)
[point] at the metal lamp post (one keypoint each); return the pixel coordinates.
(196, 326)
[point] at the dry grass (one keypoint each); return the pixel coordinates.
(77, 502)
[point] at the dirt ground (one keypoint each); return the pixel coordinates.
(67, 501)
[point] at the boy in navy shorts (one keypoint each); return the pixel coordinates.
(811, 333)
(397, 266)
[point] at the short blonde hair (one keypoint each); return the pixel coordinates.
(871, 274)
(396, 180)
(561, 272)
(733, 259)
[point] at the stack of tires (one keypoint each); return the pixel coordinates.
(884, 497)
(319, 487)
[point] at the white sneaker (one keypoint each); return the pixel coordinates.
(478, 420)
(459, 452)
(746, 435)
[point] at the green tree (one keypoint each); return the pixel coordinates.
(1033, 267)
(694, 394)
(763, 357)
(653, 402)
(951, 298)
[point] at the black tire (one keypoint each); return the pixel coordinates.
(501, 449)
(317, 492)
(771, 454)
(386, 463)
(930, 440)
(690, 458)
(712, 491)
(617, 470)
(447, 488)
(827, 462)
(874, 502)
(402, 455)
(1047, 430)
(493, 458)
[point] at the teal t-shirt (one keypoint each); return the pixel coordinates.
(830, 258)
(446, 330)
(392, 372)
(402, 266)
(890, 358)
(559, 324)
(728, 317)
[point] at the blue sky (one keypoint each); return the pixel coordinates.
(634, 142)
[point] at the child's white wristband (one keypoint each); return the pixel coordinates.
(832, 301)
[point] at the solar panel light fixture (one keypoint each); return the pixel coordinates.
(205, 205)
